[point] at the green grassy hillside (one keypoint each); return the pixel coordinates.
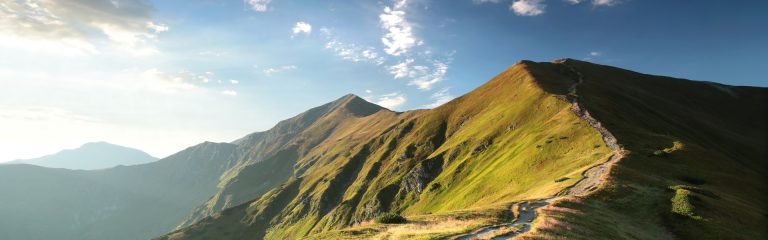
(707, 139)
(507, 141)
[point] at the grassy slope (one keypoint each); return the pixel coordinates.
(716, 139)
(506, 141)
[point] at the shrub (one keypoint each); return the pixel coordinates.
(681, 203)
(390, 218)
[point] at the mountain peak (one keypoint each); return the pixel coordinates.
(355, 105)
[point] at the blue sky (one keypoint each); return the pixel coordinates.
(163, 75)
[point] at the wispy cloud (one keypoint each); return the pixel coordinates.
(272, 71)
(350, 51)
(528, 7)
(69, 25)
(485, 1)
(399, 37)
(390, 100)
(259, 5)
(301, 28)
(422, 76)
(596, 2)
(440, 97)
(229, 92)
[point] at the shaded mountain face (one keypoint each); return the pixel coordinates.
(125, 202)
(91, 156)
(517, 138)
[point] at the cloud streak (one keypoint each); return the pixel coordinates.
(126, 26)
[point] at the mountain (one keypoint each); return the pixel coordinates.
(91, 156)
(599, 152)
(146, 200)
(125, 202)
(544, 150)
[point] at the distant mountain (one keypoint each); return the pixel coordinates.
(91, 156)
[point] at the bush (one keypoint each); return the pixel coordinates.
(681, 203)
(390, 218)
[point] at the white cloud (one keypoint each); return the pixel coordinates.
(441, 97)
(399, 37)
(528, 7)
(423, 77)
(485, 1)
(259, 5)
(271, 71)
(354, 52)
(595, 54)
(157, 27)
(391, 100)
(402, 69)
(425, 82)
(126, 26)
(234, 82)
(596, 2)
(229, 92)
(302, 27)
(605, 2)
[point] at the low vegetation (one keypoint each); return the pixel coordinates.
(681, 203)
(390, 218)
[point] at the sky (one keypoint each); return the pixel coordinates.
(161, 76)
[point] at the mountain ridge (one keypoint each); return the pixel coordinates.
(339, 191)
(90, 156)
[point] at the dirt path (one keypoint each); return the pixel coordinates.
(526, 213)
(591, 181)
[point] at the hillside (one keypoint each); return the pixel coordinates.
(91, 156)
(616, 154)
(142, 201)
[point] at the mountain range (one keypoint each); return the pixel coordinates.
(91, 156)
(544, 150)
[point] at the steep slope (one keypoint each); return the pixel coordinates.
(508, 140)
(691, 164)
(90, 156)
(696, 165)
(266, 159)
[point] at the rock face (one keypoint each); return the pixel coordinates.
(416, 180)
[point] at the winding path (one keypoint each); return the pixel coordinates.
(591, 181)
